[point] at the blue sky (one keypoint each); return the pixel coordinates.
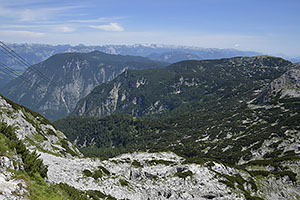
(268, 26)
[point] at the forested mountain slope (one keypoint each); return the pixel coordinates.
(68, 77)
(183, 86)
(192, 109)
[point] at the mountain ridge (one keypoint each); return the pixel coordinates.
(72, 76)
(35, 53)
(164, 91)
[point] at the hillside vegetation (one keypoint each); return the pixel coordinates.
(194, 108)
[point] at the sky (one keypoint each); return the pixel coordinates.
(267, 26)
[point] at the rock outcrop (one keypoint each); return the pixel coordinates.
(286, 86)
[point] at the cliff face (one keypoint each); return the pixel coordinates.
(72, 76)
(284, 87)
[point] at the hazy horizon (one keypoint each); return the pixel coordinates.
(269, 27)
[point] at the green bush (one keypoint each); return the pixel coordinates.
(97, 174)
(184, 175)
(87, 173)
(73, 193)
(3, 145)
(136, 164)
(123, 182)
(104, 170)
(65, 145)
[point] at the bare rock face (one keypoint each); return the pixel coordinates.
(5, 162)
(288, 85)
(165, 175)
(142, 176)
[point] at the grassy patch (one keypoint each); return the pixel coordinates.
(51, 132)
(237, 182)
(39, 189)
(65, 145)
(72, 193)
(39, 137)
(3, 145)
(292, 176)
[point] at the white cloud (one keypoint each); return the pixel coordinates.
(109, 27)
(39, 13)
(99, 20)
(28, 15)
(66, 29)
(9, 26)
(23, 34)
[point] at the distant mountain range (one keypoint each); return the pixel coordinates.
(295, 60)
(35, 53)
(174, 56)
(72, 76)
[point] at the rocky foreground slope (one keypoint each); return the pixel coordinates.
(138, 175)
